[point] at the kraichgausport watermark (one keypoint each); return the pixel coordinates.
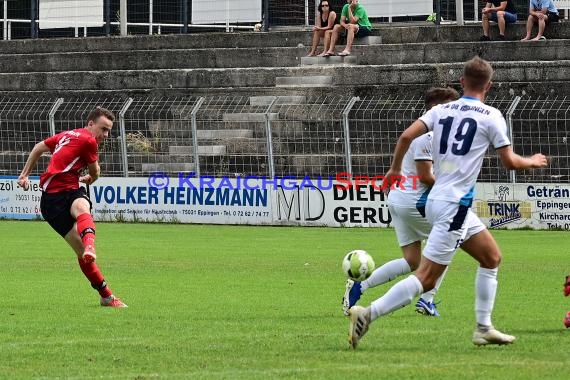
(341, 181)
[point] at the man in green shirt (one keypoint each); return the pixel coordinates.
(353, 20)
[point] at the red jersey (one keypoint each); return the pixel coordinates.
(71, 152)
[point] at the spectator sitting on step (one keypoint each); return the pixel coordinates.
(323, 27)
(543, 11)
(500, 11)
(353, 20)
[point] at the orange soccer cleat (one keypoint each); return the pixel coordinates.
(112, 301)
(567, 320)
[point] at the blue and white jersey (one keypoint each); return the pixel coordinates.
(462, 133)
(412, 189)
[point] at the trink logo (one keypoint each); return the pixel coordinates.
(345, 181)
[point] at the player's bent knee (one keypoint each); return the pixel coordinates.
(491, 261)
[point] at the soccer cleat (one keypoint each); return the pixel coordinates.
(112, 301)
(567, 320)
(89, 255)
(359, 322)
(567, 286)
(489, 335)
(427, 308)
(351, 295)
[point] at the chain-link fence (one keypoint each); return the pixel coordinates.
(265, 135)
(21, 18)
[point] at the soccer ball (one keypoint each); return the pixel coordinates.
(358, 265)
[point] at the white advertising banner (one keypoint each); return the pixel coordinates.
(391, 8)
(284, 201)
(540, 206)
(329, 204)
(17, 203)
(70, 13)
(225, 11)
(153, 199)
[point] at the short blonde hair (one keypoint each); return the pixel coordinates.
(477, 73)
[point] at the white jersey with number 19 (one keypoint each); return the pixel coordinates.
(463, 131)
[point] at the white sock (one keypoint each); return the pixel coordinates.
(397, 297)
(386, 272)
(485, 291)
(429, 295)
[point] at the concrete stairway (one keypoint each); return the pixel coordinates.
(253, 63)
(395, 62)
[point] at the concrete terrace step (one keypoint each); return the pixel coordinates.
(305, 81)
(332, 60)
(136, 80)
(248, 117)
(259, 101)
(417, 53)
(403, 53)
(203, 150)
(168, 167)
(182, 129)
(214, 134)
(389, 33)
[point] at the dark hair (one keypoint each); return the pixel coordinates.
(438, 95)
(320, 7)
(98, 112)
(477, 73)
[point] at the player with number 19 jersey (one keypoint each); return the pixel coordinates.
(463, 130)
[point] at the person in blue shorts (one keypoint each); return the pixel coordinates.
(542, 12)
(502, 12)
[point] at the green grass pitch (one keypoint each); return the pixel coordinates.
(242, 302)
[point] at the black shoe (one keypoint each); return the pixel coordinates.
(485, 38)
(502, 37)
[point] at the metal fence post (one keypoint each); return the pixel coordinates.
(347, 150)
(509, 120)
(459, 12)
(195, 134)
(123, 136)
(5, 22)
(185, 16)
(123, 17)
(150, 3)
(107, 17)
(306, 13)
(51, 115)
(269, 138)
(33, 18)
(265, 15)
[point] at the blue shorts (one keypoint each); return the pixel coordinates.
(362, 32)
(510, 18)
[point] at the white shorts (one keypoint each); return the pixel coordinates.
(452, 224)
(409, 224)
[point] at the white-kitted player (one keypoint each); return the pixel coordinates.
(407, 208)
(463, 131)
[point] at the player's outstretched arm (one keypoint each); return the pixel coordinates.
(37, 151)
(513, 161)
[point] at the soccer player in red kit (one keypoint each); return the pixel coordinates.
(64, 204)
